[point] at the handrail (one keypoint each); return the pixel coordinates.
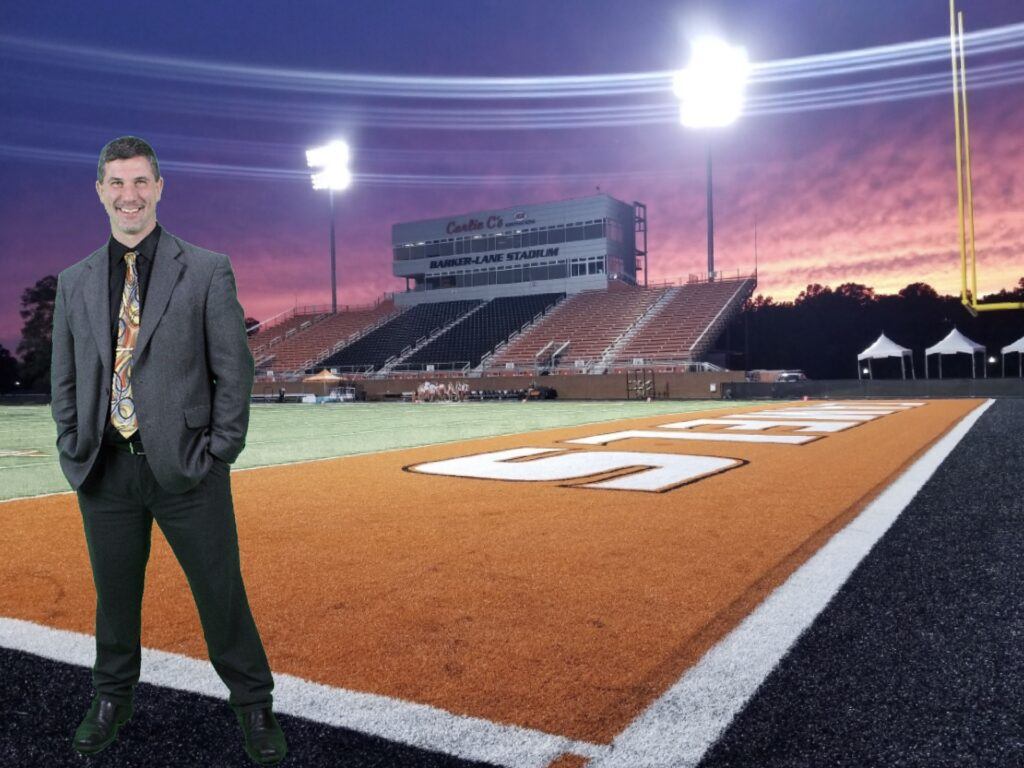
(314, 309)
(451, 365)
(323, 354)
(714, 320)
(521, 330)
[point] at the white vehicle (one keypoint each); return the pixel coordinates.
(789, 376)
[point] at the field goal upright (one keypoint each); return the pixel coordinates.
(965, 190)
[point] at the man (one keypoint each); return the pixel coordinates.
(151, 380)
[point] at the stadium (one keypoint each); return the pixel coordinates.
(653, 570)
(496, 299)
(534, 509)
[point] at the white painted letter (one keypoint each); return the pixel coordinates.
(651, 471)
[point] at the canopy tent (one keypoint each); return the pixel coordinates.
(325, 375)
(1009, 349)
(324, 378)
(955, 343)
(882, 348)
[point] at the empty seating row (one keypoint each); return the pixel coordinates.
(684, 321)
(379, 345)
(590, 322)
(263, 340)
(296, 352)
(478, 334)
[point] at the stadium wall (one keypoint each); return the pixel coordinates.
(610, 386)
(847, 388)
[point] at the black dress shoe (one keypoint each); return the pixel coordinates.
(98, 728)
(264, 739)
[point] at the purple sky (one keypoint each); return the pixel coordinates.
(861, 192)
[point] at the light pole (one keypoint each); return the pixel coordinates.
(332, 160)
(710, 93)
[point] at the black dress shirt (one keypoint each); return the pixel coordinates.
(146, 251)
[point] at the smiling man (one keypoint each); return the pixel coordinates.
(151, 381)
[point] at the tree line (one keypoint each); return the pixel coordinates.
(820, 332)
(823, 329)
(30, 370)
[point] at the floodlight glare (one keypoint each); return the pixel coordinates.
(710, 89)
(333, 159)
(335, 176)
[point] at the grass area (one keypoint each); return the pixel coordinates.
(283, 433)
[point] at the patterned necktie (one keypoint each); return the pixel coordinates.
(122, 406)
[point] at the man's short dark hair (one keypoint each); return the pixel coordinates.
(125, 148)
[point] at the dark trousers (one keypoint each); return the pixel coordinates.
(119, 502)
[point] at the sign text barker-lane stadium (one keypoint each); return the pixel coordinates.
(493, 258)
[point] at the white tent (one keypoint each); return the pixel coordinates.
(1009, 349)
(955, 343)
(882, 348)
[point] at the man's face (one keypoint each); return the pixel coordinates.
(130, 194)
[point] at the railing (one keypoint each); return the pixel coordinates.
(683, 366)
(350, 339)
(423, 341)
(316, 309)
(702, 277)
(277, 319)
(360, 369)
(719, 276)
(485, 360)
(457, 366)
(278, 339)
(715, 320)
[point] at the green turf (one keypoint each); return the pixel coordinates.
(283, 433)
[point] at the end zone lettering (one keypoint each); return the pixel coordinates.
(659, 472)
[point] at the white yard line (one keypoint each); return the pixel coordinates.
(419, 725)
(678, 728)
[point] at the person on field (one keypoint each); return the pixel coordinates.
(151, 382)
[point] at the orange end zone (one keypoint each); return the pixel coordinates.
(564, 609)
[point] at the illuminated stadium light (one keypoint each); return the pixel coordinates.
(710, 90)
(333, 159)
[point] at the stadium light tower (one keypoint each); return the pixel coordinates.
(710, 93)
(332, 160)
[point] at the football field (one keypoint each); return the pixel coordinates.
(565, 585)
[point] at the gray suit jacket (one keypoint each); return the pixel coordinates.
(192, 371)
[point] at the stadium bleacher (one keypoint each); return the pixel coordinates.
(588, 332)
(374, 349)
(262, 342)
(590, 321)
(684, 328)
(312, 343)
(481, 331)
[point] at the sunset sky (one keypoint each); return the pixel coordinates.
(849, 175)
